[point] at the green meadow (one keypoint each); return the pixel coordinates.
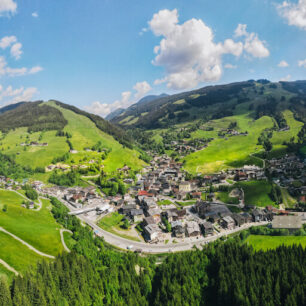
(17, 255)
(261, 242)
(112, 223)
(38, 228)
(236, 151)
(256, 193)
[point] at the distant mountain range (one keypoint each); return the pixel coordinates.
(142, 101)
(257, 98)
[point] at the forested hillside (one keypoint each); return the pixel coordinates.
(260, 98)
(224, 273)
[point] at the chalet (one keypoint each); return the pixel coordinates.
(287, 222)
(126, 209)
(228, 222)
(124, 169)
(185, 187)
(152, 232)
(192, 229)
(257, 215)
(247, 217)
(239, 219)
(177, 228)
(137, 215)
(148, 221)
(207, 228)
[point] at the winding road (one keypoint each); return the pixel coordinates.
(162, 247)
(26, 244)
(63, 239)
(8, 267)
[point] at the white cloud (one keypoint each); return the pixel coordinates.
(35, 14)
(286, 78)
(16, 50)
(302, 63)
(7, 41)
(7, 7)
(230, 66)
(103, 109)
(252, 45)
(5, 70)
(241, 30)
(294, 13)
(141, 89)
(143, 30)
(283, 64)
(35, 69)
(189, 53)
(11, 96)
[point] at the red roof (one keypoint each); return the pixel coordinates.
(144, 193)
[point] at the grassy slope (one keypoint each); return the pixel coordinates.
(264, 243)
(86, 134)
(112, 222)
(6, 274)
(16, 254)
(235, 151)
(222, 153)
(38, 228)
(34, 156)
(256, 193)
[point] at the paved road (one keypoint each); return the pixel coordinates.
(26, 244)
(8, 267)
(188, 244)
(161, 248)
(63, 240)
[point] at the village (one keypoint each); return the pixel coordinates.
(163, 205)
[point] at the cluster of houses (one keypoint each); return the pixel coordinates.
(289, 171)
(184, 147)
(34, 144)
(230, 133)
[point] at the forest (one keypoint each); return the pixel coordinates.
(223, 273)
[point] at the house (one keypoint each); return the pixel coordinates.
(257, 215)
(239, 219)
(207, 228)
(192, 229)
(228, 223)
(247, 217)
(184, 187)
(178, 229)
(137, 215)
(148, 221)
(287, 222)
(126, 209)
(152, 232)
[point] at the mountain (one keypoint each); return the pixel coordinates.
(142, 101)
(259, 97)
(10, 107)
(151, 98)
(115, 113)
(63, 128)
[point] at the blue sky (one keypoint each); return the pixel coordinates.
(99, 54)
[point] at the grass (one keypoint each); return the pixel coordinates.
(225, 198)
(256, 193)
(261, 242)
(37, 228)
(235, 151)
(112, 223)
(187, 203)
(84, 134)
(6, 274)
(164, 202)
(288, 200)
(69, 241)
(17, 255)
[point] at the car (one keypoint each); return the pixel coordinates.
(130, 247)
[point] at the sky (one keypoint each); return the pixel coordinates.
(100, 55)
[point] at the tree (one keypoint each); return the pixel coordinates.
(5, 296)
